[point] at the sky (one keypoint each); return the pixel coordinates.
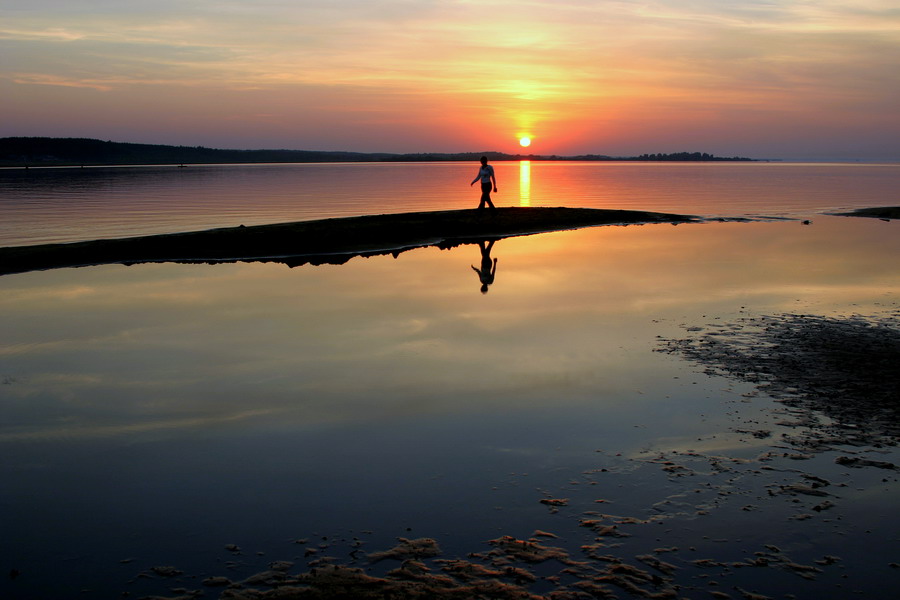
(788, 79)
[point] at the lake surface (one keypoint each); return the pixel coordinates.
(64, 205)
(221, 418)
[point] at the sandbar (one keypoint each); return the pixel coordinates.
(323, 241)
(878, 212)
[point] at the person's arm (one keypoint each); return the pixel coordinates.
(477, 177)
(494, 178)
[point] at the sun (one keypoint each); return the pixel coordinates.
(525, 142)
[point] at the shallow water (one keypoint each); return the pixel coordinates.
(154, 414)
(64, 205)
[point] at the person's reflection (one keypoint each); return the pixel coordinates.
(488, 267)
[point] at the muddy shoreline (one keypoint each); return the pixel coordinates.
(323, 241)
(841, 368)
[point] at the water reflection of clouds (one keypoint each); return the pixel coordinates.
(56, 433)
(169, 347)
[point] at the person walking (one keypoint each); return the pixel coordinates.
(488, 181)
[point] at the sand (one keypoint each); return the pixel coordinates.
(336, 241)
(332, 241)
(843, 368)
(885, 213)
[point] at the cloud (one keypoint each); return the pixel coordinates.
(499, 62)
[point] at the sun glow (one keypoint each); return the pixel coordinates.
(524, 141)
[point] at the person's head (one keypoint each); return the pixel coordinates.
(484, 160)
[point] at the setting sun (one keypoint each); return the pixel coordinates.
(525, 141)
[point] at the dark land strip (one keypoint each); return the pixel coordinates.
(885, 213)
(327, 241)
(49, 152)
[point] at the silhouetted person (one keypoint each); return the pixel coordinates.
(488, 181)
(488, 267)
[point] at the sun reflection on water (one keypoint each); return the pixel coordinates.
(524, 183)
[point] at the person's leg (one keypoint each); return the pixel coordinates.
(485, 195)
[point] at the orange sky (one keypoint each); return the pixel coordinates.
(780, 79)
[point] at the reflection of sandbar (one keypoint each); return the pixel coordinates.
(324, 241)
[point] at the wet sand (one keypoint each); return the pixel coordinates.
(333, 241)
(844, 369)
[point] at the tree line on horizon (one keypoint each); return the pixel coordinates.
(45, 151)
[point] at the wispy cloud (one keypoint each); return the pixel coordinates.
(500, 56)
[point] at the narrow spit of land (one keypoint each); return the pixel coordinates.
(324, 241)
(880, 212)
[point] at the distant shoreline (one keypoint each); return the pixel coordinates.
(24, 152)
(326, 241)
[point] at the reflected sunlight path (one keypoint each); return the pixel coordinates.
(524, 183)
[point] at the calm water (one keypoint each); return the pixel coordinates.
(62, 205)
(151, 415)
